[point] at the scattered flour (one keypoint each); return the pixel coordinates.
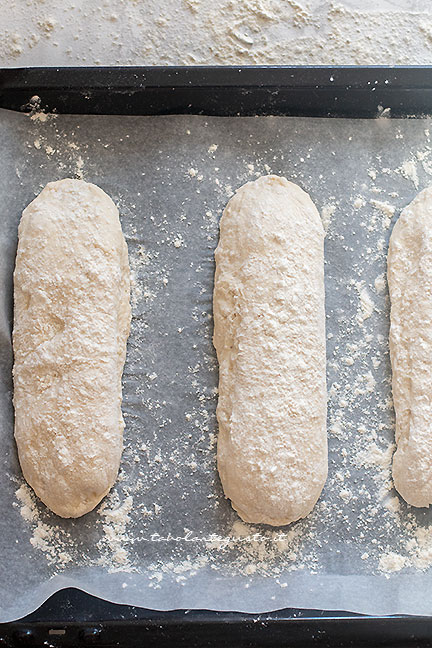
(409, 171)
(114, 553)
(193, 32)
(26, 498)
(391, 562)
(380, 283)
(45, 537)
(327, 215)
(386, 209)
(374, 456)
(366, 305)
(359, 202)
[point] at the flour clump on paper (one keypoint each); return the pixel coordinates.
(270, 340)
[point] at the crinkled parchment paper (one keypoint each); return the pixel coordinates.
(165, 537)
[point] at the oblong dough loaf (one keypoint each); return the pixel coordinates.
(71, 323)
(409, 271)
(270, 340)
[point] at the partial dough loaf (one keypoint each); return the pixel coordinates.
(410, 285)
(270, 341)
(71, 323)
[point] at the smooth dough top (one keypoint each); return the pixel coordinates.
(410, 286)
(71, 323)
(270, 341)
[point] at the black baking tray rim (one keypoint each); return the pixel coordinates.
(72, 618)
(345, 91)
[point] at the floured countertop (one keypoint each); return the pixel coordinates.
(205, 32)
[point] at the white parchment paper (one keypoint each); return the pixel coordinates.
(166, 537)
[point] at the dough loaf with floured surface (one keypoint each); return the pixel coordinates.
(270, 340)
(410, 285)
(71, 323)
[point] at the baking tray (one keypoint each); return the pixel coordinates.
(72, 618)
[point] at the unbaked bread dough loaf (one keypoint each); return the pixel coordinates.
(270, 340)
(71, 323)
(410, 285)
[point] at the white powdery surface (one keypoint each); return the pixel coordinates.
(188, 32)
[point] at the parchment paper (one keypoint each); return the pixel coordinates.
(153, 541)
